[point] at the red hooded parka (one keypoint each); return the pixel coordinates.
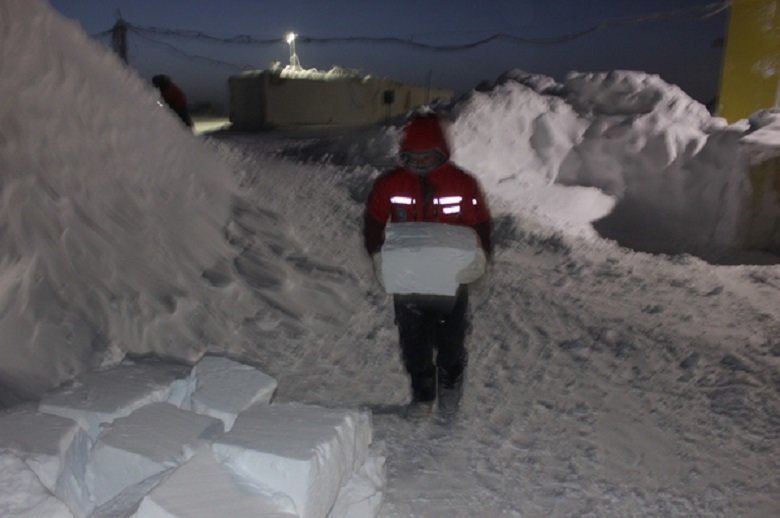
(446, 194)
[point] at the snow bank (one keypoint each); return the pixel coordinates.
(515, 140)
(642, 160)
(110, 211)
(762, 141)
(175, 462)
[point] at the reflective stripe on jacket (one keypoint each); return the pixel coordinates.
(445, 195)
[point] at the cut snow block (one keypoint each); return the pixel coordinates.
(22, 494)
(54, 448)
(100, 397)
(204, 488)
(305, 452)
(425, 258)
(145, 444)
(223, 388)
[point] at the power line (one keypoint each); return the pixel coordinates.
(147, 32)
(185, 54)
(691, 13)
(241, 39)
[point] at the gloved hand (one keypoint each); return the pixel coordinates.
(474, 270)
(377, 259)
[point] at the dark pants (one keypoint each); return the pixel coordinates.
(184, 115)
(428, 325)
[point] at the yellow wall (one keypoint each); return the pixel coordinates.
(751, 66)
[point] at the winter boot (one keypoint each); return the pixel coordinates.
(449, 400)
(419, 410)
(450, 391)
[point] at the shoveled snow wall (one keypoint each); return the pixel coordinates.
(645, 164)
(762, 147)
(98, 249)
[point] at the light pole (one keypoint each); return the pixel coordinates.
(294, 63)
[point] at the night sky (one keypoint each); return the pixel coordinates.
(683, 51)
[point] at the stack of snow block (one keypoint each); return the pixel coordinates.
(425, 258)
(100, 397)
(145, 444)
(23, 494)
(269, 447)
(54, 448)
(153, 439)
(204, 487)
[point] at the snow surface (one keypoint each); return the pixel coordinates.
(763, 137)
(602, 381)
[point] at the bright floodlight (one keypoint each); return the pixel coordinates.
(294, 63)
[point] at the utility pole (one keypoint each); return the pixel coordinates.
(428, 93)
(119, 37)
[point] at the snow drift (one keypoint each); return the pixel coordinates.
(676, 176)
(120, 232)
(111, 211)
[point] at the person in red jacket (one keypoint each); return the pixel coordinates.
(427, 187)
(173, 97)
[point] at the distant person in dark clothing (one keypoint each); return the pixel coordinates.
(173, 97)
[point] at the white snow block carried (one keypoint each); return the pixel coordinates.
(204, 488)
(54, 448)
(22, 494)
(144, 444)
(223, 388)
(425, 258)
(304, 452)
(100, 397)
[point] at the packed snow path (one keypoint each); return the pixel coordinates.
(602, 382)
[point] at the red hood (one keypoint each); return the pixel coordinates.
(424, 133)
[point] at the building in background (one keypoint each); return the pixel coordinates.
(294, 97)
